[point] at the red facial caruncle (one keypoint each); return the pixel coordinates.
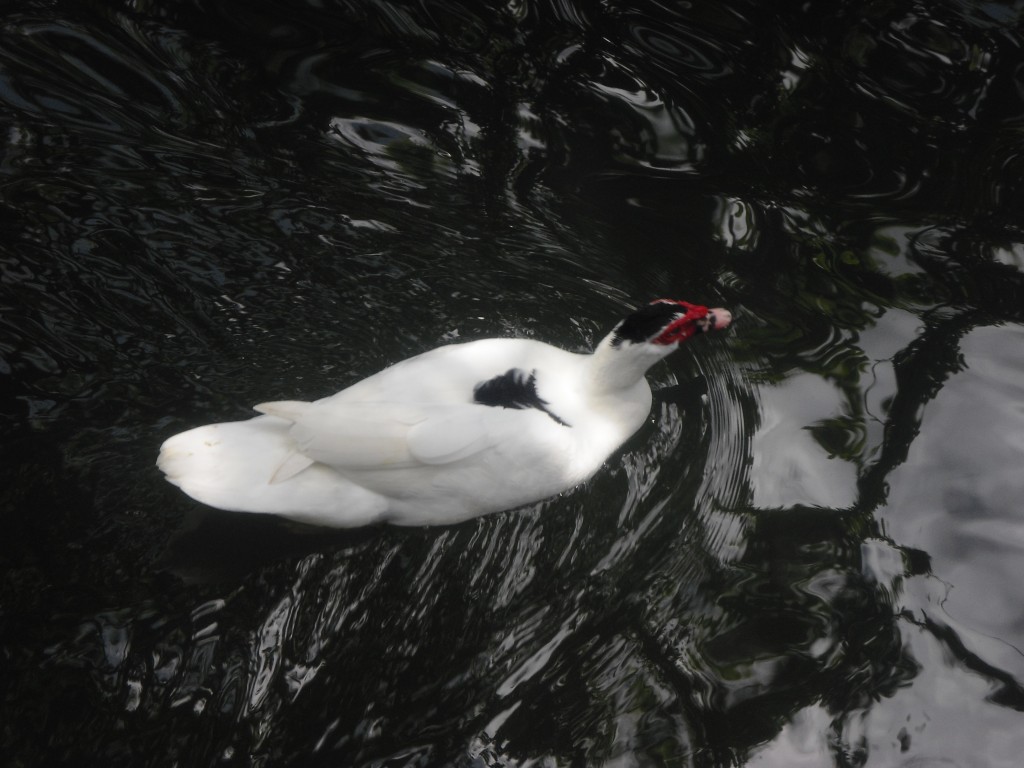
(684, 327)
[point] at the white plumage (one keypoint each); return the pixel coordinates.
(450, 434)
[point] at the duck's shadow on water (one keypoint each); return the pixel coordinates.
(216, 546)
(686, 394)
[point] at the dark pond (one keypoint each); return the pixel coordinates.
(812, 555)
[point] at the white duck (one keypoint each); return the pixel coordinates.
(442, 437)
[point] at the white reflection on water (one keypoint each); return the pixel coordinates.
(959, 494)
(790, 468)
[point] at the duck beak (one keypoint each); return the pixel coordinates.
(717, 319)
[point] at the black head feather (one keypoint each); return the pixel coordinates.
(647, 322)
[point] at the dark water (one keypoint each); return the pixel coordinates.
(811, 557)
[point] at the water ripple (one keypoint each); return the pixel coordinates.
(676, 46)
(921, 65)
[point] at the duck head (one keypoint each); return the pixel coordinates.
(649, 334)
(666, 323)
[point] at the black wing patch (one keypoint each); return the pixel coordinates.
(513, 389)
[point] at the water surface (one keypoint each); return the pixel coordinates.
(808, 557)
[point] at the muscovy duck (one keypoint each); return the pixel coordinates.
(450, 434)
